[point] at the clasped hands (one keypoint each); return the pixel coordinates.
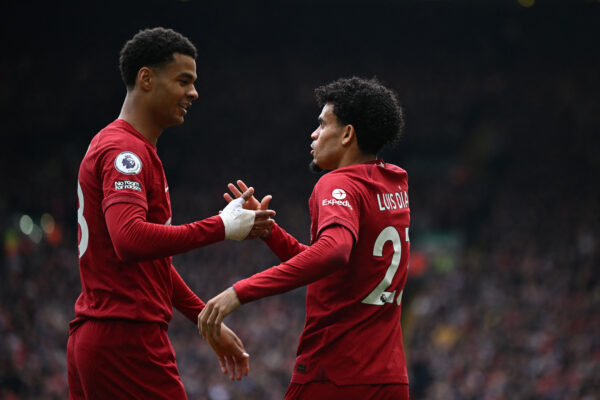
(246, 217)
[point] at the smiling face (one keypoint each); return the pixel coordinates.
(327, 145)
(174, 91)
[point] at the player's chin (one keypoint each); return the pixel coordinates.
(314, 167)
(177, 120)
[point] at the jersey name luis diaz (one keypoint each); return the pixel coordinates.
(385, 201)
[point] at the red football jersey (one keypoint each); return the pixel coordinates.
(352, 333)
(121, 166)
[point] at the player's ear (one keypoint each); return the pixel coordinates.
(348, 135)
(145, 79)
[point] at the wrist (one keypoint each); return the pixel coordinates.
(237, 221)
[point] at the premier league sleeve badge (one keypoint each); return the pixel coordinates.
(128, 163)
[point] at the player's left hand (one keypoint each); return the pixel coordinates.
(230, 351)
(217, 308)
(250, 203)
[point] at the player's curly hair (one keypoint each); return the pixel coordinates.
(152, 48)
(369, 106)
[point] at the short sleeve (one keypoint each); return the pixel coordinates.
(336, 200)
(124, 172)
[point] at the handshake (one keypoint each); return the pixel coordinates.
(245, 217)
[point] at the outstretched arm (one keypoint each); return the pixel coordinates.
(329, 253)
(136, 239)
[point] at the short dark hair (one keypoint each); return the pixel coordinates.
(152, 48)
(369, 106)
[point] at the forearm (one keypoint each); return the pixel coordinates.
(184, 299)
(283, 245)
(136, 239)
(329, 253)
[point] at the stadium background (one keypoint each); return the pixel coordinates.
(501, 145)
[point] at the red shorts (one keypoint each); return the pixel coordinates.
(122, 360)
(326, 390)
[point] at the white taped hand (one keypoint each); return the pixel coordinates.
(238, 222)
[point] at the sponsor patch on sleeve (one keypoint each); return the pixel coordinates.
(133, 185)
(339, 199)
(128, 163)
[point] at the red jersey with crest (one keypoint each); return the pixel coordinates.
(352, 333)
(122, 166)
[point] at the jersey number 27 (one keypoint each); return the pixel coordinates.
(380, 296)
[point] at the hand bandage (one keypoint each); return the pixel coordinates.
(238, 222)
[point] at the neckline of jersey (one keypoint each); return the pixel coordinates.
(135, 132)
(376, 161)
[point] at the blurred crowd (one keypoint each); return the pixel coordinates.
(502, 149)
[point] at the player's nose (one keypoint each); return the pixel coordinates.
(193, 94)
(315, 134)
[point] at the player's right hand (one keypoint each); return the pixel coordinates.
(259, 230)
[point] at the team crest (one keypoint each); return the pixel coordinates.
(128, 163)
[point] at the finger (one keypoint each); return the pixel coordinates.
(231, 366)
(235, 190)
(205, 327)
(238, 368)
(207, 319)
(226, 363)
(209, 324)
(238, 347)
(218, 324)
(258, 231)
(228, 197)
(263, 223)
(246, 366)
(264, 203)
(264, 214)
(244, 359)
(243, 365)
(223, 364)
(242, 185)
(247, 195)
(201, 322)
(261, 228)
